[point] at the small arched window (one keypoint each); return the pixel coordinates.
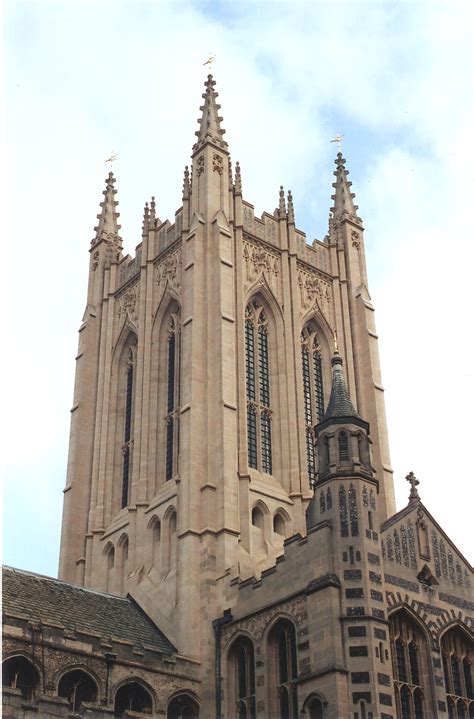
(279, 524)
(283, 670)
(110, 564)
(173, 395)
(156, 542)
(77, 687)
(257, 518)
(19, 673)
(183, 707)
(123, 559)
(132, 697)
(313, 393)
(343, 446)
(241, 679)
(315, 709)
(257, 371)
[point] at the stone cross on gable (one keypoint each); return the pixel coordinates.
(414, 482)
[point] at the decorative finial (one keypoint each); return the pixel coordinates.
(210, 129)
(211, 58)
(186, 185)
(414, 482)
(291, 209)
(146, 217)
(282, 206)
(152, 208)
(338, 139)
(336, 347)
(238, 179)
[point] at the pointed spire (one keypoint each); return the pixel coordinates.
(238, 179)
(186, 184)
(108, 227)
(146, 217)
(344, 207)
(291, 209)
(210, 123)
(340, 404)
(282, 205)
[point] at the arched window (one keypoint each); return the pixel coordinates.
(19, 673)
(283, 671)
(315, 709)
(110, 563)
(173, 397)
(257, 518)
(241, 680)
(156, 542)
(457, 654)
(77, 686)
(128, 427)
(410, 668)
(123, 559)
(257, 370)
(182, 707)
(279, 524)
(134, 697)
(343, 446)
(313, 393)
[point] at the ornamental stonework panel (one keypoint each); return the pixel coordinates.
(315, 293)
(261, 266)
(168, 272)
(127, 303)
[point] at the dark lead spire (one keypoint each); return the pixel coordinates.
(340, 404)
(210, 123)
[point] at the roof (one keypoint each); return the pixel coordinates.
(340, 404)
(77, 609)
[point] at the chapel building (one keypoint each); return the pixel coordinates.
(230, 545)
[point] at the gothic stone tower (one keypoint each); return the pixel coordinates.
(203, 367)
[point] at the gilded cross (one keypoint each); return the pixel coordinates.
(414, 482)
(338, 139)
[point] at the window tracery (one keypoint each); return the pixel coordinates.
(410, 667)
(132, 697)
(283, 670)
(313, 393)
(77, 686)
(257, 367)
(457, 655)
(242, 679)
(20, 673)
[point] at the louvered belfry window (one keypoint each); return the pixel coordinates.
(257, 371)
(313, 393)
(127, 434)
(172, 396)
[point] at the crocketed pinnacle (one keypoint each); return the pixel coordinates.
(291, 209)
(344, 207)
(108, 227)
(340, 404)
(186, 184)
(210, 123)
(146, 217)
(238, 179)
(152, 209)
(281, 204)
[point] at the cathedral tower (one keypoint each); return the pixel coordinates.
(204, 364)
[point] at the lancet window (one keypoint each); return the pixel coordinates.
(257, 369)
(282, 652)
(313, 393)
(457, 654)
(410, 667)
(172, 396)
(128, 427)
(242, 679)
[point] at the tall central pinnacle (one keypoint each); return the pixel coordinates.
(210, 130)
(344, 207)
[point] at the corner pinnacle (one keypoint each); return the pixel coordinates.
(186, 185)
(108, 227)
(291, 209)
(344, 207)
(210, 123)
(281, 204)
(238, 179)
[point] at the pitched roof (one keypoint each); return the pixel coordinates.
(77, 609)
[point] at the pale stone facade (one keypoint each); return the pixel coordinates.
(194, 486)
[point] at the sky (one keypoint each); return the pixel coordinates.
(82, 79)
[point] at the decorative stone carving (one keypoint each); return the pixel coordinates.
(355, 237)
(261, 265)
(128, 303)
(168, 271)
(316, 293)
(95, 260)
(256, 624)
(200, 165)
(217, 163)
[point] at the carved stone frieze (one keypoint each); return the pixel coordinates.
(256, 624)
(168, 272)
(261, 265)
(316, 293)
(127, 303)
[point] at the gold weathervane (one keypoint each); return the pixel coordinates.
(111, 159)
(338, 139)
(210, 60)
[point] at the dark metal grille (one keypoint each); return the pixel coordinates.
(252, 436)
(318, 384)
(266, 432)
(257, 379)
(169, 447)
(171, 366)
(127, 434)
(249, 360)
(343, 442)
(264, 380)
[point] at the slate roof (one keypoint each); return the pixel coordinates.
(340, 404)
(77, 609)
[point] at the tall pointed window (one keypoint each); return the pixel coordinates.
(458, 654)
(313, 394)
(241, 680)
(128, 426)
(257, 370)
(172, 396)
(283, 668)
(410, 668)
